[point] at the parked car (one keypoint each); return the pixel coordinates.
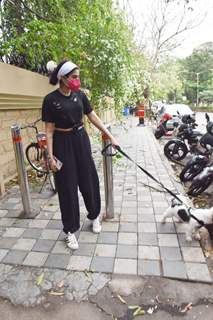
(174, 112)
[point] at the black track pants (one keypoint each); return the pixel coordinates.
(78, 170)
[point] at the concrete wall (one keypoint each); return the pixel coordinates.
(21, 94)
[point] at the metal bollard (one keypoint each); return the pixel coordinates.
(22, 174)
(108, 177)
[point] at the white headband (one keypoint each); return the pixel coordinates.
(66, 68)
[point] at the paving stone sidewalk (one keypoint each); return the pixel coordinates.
(134, 243)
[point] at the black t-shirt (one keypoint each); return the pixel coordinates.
(65, 111)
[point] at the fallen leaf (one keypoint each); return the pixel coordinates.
(133, 307)
(121, 299)
(40, 279)
(55, 293)
(138, 312)
(187, 307)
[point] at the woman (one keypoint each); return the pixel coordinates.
(68, 142)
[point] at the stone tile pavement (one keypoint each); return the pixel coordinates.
(135, 242)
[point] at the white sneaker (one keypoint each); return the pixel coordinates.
(96, 225)
(71, 241)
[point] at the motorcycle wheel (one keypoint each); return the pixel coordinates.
(190, 171)
(175, 151)
(198, 187)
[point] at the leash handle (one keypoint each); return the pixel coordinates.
(107, 154)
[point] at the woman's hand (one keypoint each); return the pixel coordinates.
(53, 166)
(99, 124)
(114, 142)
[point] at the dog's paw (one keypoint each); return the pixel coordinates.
(197, 236)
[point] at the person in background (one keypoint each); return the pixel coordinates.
(68, 144)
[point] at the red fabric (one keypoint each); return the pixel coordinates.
(169, 133)
(140, 113)
(167, 116)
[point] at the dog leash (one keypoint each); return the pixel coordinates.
(107, 154)
(202, 224)
(118, 148)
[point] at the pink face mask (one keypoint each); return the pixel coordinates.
(74, 84)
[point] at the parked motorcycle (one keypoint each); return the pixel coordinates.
(201, 182)
(199, 162)
(205, 178)
(194, 167)
(186, 141)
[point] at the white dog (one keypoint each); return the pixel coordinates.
(182, 212)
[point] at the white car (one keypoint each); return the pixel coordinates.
(182, 109)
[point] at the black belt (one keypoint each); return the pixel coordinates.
(73, 129)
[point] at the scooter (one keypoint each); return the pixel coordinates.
(199, 162)
(162, 129)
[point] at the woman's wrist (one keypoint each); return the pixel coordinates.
(106, 132)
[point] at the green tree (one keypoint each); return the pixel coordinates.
(92, 33)
(166, 85)
(197, 71)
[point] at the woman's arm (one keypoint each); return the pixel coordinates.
(49, 129)
(99, 124)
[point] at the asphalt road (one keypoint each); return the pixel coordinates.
(201, 120)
